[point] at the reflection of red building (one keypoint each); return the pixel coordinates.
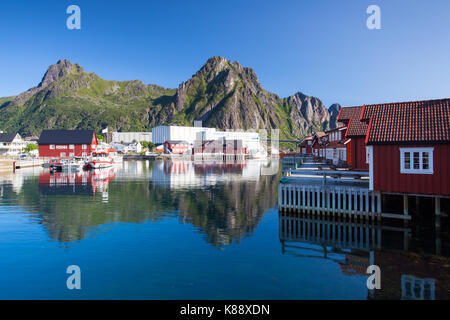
(402, 274)
(218, 168)
(76, 182)
(354, 265)
(67, 143)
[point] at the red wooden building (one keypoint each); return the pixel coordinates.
(355, 135)
(317, 143)
(67, 143)
(306, 145)
(333, 145)
(176, 146)
(409, 146)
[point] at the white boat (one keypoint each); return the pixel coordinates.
(71, 165)
(100, 160)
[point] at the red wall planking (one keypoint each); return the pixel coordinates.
(387, 176)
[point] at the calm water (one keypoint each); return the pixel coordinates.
(184, 230)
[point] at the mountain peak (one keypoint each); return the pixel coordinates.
(59, 70)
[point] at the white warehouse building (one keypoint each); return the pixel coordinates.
(162, 134)
(250, 140)
(130, 137)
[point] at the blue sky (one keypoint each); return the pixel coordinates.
(322, 48)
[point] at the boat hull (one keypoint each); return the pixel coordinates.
(100, 164)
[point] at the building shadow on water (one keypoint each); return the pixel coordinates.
(414, 261)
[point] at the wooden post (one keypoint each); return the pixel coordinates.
(303, 197)
(405, 204)
(379, 205)
(437, 213)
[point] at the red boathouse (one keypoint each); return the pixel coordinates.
(67, 143)
(355, 135)
(409, 146)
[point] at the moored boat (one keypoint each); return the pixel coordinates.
(100, 160)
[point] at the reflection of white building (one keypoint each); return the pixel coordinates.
(184, 174)
(417, 289)
(15, 180)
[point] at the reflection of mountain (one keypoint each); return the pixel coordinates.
(74, 206)
(224, 200)
(225, 212)
(355, 246)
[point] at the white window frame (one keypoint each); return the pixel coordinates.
(52, 147)
(71, 146)
(84, 146)
(411, 151)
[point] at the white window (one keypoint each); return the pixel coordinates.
(71, 146)
(72, 154)
(84, 154)
(309, 143)
(84, 147)
(52, 147)
(416, 160)
(63, 154)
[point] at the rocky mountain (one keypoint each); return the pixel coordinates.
(222, 94)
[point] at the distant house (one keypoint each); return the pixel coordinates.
(409, 146)
(355, 135)
(306, 145)
(11, 144)
(317, 143)
(176, 147)
(334, 145)
(67, 143)
(135, 147)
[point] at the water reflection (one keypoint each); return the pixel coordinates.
(408, 272)
(83, 182)
(224, 201)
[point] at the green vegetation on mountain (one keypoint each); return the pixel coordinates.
(222, 94)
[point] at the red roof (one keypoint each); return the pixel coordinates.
(352, 116)
(320, 134)
(356, 128)
(408, 122)
(335, 129)
(348, 113)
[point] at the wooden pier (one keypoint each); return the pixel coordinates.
(331, 192)
(349, 201)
